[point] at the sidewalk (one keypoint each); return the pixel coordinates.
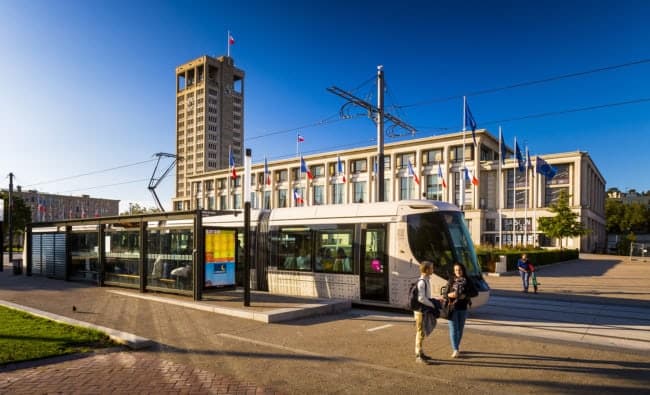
(200, 352)
(593, 278)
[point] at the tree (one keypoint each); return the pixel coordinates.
(615, 215)
(135, 209)
(21, 215)
(565, 223)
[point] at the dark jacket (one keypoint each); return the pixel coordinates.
(460, 286)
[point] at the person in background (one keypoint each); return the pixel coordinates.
(533, 276)
(424, 297)
(458, 289)
(524, 271)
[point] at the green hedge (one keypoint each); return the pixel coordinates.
(538, 257)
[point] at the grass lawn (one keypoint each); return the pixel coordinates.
(24, 337)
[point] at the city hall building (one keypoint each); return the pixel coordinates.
(500, 202)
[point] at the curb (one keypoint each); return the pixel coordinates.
(128, 339)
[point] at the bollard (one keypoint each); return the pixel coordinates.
(17, 265)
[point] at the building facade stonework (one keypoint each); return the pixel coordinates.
(49, 207)
(209, 120)
(501, 208)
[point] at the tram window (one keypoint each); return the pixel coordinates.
(334, 250)
(294, 249)
(442, 238)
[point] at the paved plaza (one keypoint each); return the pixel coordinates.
(586, 331)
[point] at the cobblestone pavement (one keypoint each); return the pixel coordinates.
(120, 372)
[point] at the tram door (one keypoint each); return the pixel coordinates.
(374, 263)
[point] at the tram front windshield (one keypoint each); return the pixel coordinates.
(442, 238)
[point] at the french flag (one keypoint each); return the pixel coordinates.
(440, 176)
(297, 197)
(231, 39)
(300, 138)
(340, 168)
(305, 169)
(412, 172)
(471, 178)
(231, 160)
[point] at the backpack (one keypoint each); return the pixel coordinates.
(414, 303)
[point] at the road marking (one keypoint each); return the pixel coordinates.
(325, 357)
(379, 327)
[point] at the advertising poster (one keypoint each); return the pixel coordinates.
(219, 258)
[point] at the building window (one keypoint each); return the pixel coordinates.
(318, 170)
(359, 166)
(359, 192)
(552, 194)
(282, 198)
(338, 193)
(267, 200)
(490, 225)
(223, 203)
(236, 199)
(403, 160)
(319, 197)
(456, 153)
(432, 156)
(211, 203)
(434, 189)
(488, 154)
(406, 188)
(561, 177)
(281, 175)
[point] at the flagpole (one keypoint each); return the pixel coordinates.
(462, 176)
(499, 188)
(228, 41)
(535, 191)
(229, 176)
(514, 195)
(526, 202)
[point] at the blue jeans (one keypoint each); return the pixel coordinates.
(456, 326)
(525, 277)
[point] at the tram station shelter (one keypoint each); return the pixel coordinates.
(163, 252)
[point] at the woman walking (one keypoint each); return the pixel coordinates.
(458, 291)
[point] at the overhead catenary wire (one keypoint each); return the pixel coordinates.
(526, 83)
(89, 173)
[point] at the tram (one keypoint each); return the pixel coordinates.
(365, 252)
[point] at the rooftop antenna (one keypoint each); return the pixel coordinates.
(154, 182)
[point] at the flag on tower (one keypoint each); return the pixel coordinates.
(340, 168)
(231, 160)
(441, 177)
(412, 172)
(300, 138)
(305, 169)
(231, 39)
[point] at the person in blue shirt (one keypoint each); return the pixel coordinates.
(524, 271)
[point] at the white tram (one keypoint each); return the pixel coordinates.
(367, 252)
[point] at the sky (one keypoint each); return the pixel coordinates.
(88, 88)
